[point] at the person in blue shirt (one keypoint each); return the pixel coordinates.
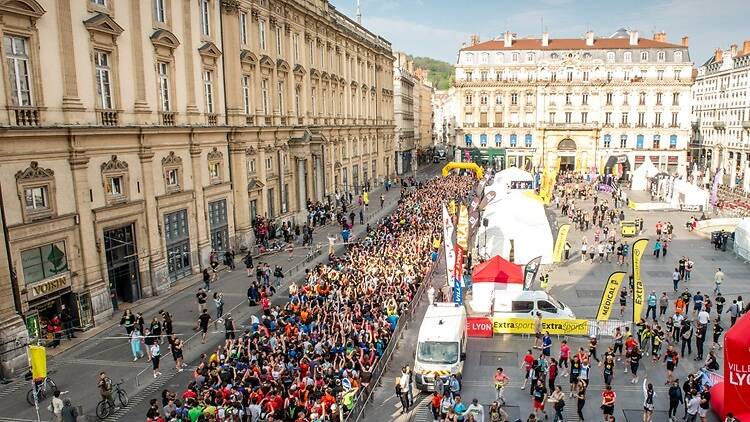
(459, 408)
(651, 305)
(547, 344)
(345, 235)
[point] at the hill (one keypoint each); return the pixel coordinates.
(440, 73)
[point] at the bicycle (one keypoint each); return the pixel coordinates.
(43, 388)
(105, 408)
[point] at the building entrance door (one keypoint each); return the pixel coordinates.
(177, 235)
(567, 163)
(217, 217)
(122, 264)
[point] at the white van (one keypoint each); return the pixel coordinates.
(441, 344)
(526, 303)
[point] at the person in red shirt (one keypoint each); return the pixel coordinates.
(526, 366)
(435, 405)
(564, 356)
(608, 401)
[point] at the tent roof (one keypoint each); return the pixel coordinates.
(497, 270)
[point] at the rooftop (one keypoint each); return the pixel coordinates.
(569, 44)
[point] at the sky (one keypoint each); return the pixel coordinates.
(437, 28)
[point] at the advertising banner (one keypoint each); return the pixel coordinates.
(38, 361)
(609, 295)
(639, 247)
(530, 271)
(573, 327)
(479, 327)
(450, 253)
(462, 228)
(458, 276)
(562, 237)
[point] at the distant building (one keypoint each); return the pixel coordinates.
(404, 83)
(527, 102)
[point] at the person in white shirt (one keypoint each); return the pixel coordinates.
(475, 409)
(56, 406)
(692, 407)
(703, 317)
(718, 279)
(431, 294)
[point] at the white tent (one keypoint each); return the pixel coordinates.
(742, 239)
(746, 179)
(688, 194)
(516, 222)
(509, 180)
(642, 173)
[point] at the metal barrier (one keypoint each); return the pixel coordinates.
(362, 397)
(607, 328)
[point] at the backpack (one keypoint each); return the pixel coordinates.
(560, 404)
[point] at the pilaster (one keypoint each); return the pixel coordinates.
(71, 105)
(140, 106)
(153, 262)
(238, 170)
(201, 222)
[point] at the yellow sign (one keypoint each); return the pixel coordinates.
(609, 294)
(38, 361)
(555, 326)
(639, 247)
(47, 286)
(452, 207)
(462, 228)
(562, 237)
(478, 171)
(366, 197)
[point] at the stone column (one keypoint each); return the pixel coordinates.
(154, 275)
(201, 222)
(140, 106)
(319, 177)
(12, 326)
(189, 51)
(301, 185)
(262, 206)
(309, 178)
(72, 107)
(238, 171)
(230, 45)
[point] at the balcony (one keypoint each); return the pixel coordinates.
(718, 125)
(249, 120)
(108, 117)
(300, 121)
(26, 116)
(267, 120)
(167, 118)
(212, 119)
(283, 121)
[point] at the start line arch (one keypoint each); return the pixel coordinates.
(478, 171)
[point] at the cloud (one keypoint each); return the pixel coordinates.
(417, 38)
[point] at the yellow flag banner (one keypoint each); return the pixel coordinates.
(38, 361)
(462, 228)
(571, 327)
(452, 207)
(639, 247)
(609, 294)
(562, 237)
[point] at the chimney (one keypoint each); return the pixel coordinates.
(718, 55)
(474, 39)
(746, 47)
(545, 39)
(685, 41)
(590, 38)
(507, 39)
(733, 50)
(633, 37)
(660, 36)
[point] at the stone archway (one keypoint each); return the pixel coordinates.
(566, 150)
(566, 144)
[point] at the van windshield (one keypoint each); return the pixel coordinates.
(441, 352)
(555, 302)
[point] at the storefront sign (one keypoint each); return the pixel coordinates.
(479, 327)
(554, 326)
(46, 287)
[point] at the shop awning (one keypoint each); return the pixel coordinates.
(497, 270)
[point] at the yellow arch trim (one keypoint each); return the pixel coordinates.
(478, 171)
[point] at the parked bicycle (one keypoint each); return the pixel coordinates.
(44, 388)
(105, 408)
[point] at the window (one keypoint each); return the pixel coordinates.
(159, 12)
(205, 18)
(529, 57)
(513, 140)
(246, 94)
(269, 163)
(483, 76)
(610, 56)
(641, 119)
(585, 99)
(295, 46)
(608, 118)
(527, 140)
(568, 98)
(262, 34)
(470, 58)
(675, 98)
(279, 40)
(467, 139)
(208, 87)
(586, 76)
(214, 170)
(243, 28)
(514, 98)
(657, 139)
(624, 119)
(626, 76)
(642, 98)
(661, 56)
(103, 88)
(623, 141)
(297, 101)
(659, 75)
(19, 69)
(609, 76)
(312, 100)
(264, 95)
(498, 140)
(484, 58)
(568, 117)
(584, 117)
(483, 99)
(516, 57)
(678, 56)
(171, 177)
(657, 119)
(498, 99)
(251, 166)
(115, 186)
(674, 119)
(164, 85)
(553, 77)
(43, 262)
(672, 141)
(483, 140)
(99, 2)
(625, 96)
(644, 56)
(522, 306)
(658, 98)
(609, 98)
(627, 57)
(607, 141)
(569, 75)
(529, 97)
(469, 76)
(280, 96)
(468, 99)
(37, 199)
(639, 142)
(552, 117)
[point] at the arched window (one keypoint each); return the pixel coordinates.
(483, 140)
(644, 56)
(516, 57)
(484, 58)
(470, 58)
(527, 140)
(610, 56)
(498, 140)
(627, 57)
(529, 57)
(678, 56)
(607, 141)
(672, 141)
(499, 57)
(639, 142)
(467, 139)
(662, 56)
(513, 140)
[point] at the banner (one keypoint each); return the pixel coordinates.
(639, 247)
(609, 295)
(458, 276)
(450, 253)
(38, 361)
(562, 237)
(487, 199)
(529, 272)
(718, 177)
(576, 327)
(452, 207)
(479, 327)
(462, 228)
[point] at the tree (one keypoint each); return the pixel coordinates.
(440, 73)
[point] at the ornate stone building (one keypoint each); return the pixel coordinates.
(140, 135)
(528, 101)
(404, 84)
(721, 113)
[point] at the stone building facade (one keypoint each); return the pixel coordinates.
(138, 136)
(528, 101)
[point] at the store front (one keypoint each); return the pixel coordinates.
(486, 157)
(122, 264)
(218, 223)
(177, 236)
